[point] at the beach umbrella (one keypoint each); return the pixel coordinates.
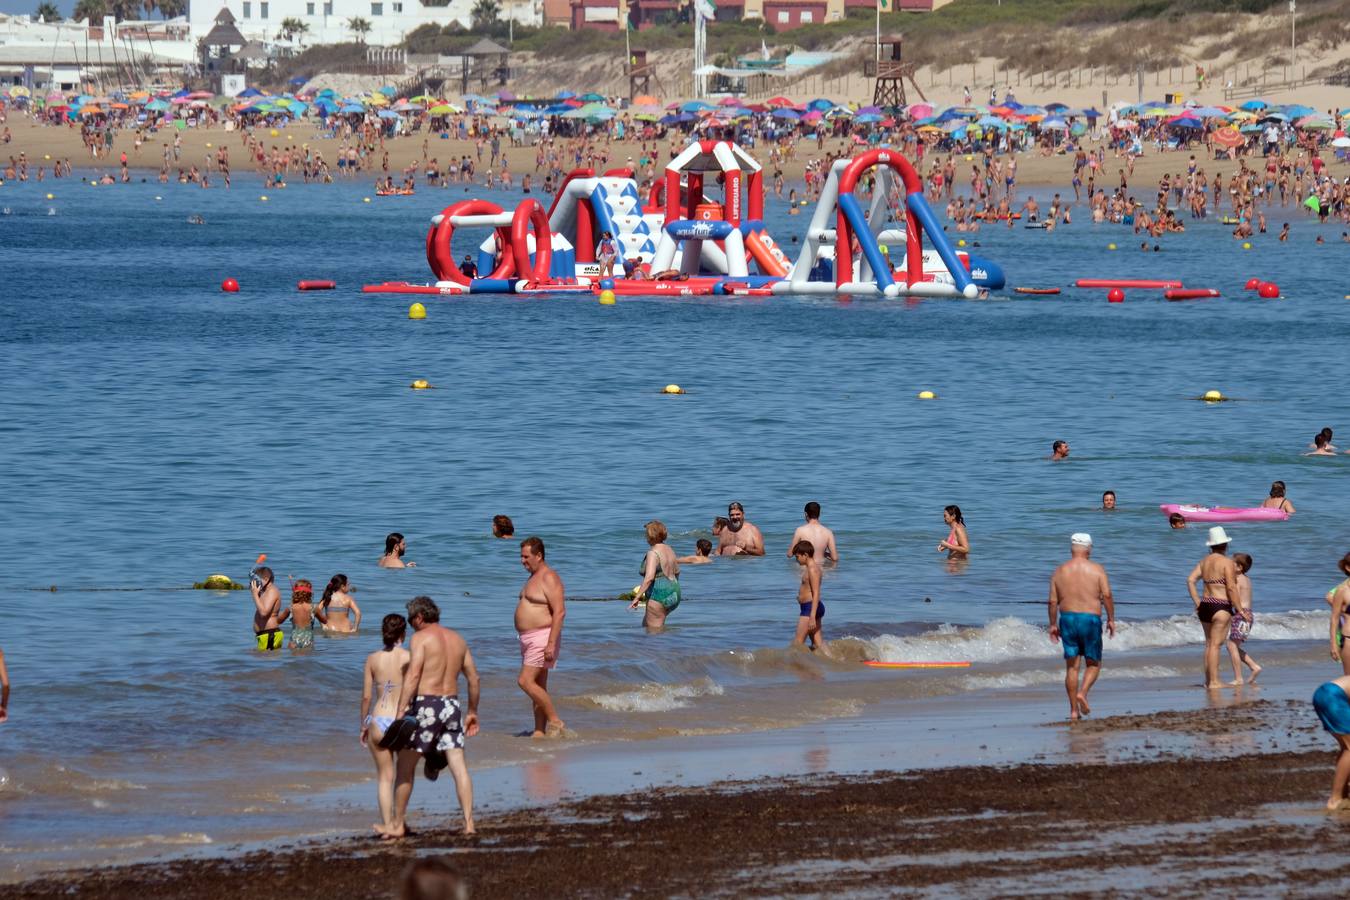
(1250, 127)
(696, 106)
(1274, 117)
(1313, 203)
(785, 113)
(955, 125)
(1077, 129)
(870, 109)
(388, 114)
(1185, 121)
(200, 95)
(991, 122)
(1054, 124)
(1341, 142)
(159, 104)
(778, 101)
(867, 118)
(1297, 110)
(645, 117)
(506, 96)
(1229, 137)
(1091, 113)
(1054, 107)
(820, 104)
(352, 108)
(1254, 105)
(728, 101)
(1313, 124)
(920, 110)
(646, 100)
(388, 90)
(591, 97)
(444, 109)
(669, 119)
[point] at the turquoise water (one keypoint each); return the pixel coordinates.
(155, 430)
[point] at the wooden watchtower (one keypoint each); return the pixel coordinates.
(640, 74)
(891, 72)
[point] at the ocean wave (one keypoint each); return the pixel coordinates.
(1039, 677)
(655, 697)
(1011, 638)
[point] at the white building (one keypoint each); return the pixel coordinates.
(65, 56)
(327, 20)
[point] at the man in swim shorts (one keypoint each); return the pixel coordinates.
(267, 609)
(1078, 590)
(429, 694)
(740, 537)
(539, 620)
(1333, 708)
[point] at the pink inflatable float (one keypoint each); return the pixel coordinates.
(1225, 513)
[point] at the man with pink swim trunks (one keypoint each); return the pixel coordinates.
(539, 620)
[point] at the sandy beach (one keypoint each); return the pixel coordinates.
(1153, 821)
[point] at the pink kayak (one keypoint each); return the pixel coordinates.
(1225, 513)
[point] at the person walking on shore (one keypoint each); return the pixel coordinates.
(383, 675)
(429, 694)
(539, 623)
(1243, 619)
(1219, 574)
(810, 608)
(820, 537)
(1332, 703)
(1339, 598)
(1079, 589)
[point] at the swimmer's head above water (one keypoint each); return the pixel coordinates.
(1176, 520)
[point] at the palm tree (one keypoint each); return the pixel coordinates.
(89, 11)
(359, 27)
(291, 27)
(484, 13)
(48, 12)
(171, 9)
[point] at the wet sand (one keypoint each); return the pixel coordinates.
(1157, 821)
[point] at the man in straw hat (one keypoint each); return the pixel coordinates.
(1078, 590)
(1214, 609)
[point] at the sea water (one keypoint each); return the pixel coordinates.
(154, 430)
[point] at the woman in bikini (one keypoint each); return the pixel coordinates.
(1277, 499)
(1339, 598)
(337, 608)
(1214, 609)
(957, 544)
(383, 680)
(660, 578)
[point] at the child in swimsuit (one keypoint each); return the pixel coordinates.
(811, 611)
(1243, 619)
(383, 681)
(301, 614)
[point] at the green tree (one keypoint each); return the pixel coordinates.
(291, 27)
(359, 28)
(90, 11)
(171, 9)
(485, 13)
(48, 12)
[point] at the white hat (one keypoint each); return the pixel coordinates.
(1081, 539)
(1217, 536)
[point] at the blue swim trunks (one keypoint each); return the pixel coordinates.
(1333, 708)
(1081, 634)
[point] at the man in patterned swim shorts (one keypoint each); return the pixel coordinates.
(428, 695)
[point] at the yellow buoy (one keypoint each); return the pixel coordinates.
(1213, 395)
(927, 395)
(365, 199)
(417, 311)
(961, 242)
(263, 198)
(51, 197)
(1246, 245)
(672, 389)
(275, 132)
(1110, 246)
(607, 297)
(159, 198)
(46, 156)
(420, 384)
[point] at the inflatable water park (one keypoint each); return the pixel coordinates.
(700, 231)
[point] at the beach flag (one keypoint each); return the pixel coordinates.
(763, 50)
(885, 5)
(706, 8)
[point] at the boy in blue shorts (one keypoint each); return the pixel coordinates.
(1078, 591)
(1333, 708)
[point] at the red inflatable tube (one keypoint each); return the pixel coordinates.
(1189, 293)
(403, 287)
(530, 215)
(316, 285)
(442, 261)
(626, 287)
(1154, 283)
(1031, 290)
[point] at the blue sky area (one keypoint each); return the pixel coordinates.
(20, 7)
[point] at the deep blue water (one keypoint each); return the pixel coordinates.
(154, 430)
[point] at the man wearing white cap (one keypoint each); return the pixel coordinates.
(1078, 590)
(1219, 574)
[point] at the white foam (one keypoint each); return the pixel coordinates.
(1055, 676)
(656, 697)
(1013, 638)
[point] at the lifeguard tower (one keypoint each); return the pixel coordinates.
(891, 72)
(641, 74)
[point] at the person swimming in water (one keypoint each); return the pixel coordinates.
(1277, 499)
(337, 611)
(702, 554)
(394, 548)
(384, 676)
(957, 544)
(810, 609)
(301, 614)
(1176, 521)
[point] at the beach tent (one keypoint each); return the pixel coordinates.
(1254, 105)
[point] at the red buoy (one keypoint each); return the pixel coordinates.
(1189, 293)
(1115, 295)
(230, 286)
(1268, 290)
(1253, 284)
(316, 285)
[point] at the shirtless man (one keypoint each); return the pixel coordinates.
(1059, 450)
(539, 621)
(740, 537)
(817, 535)
(394, 548)
(1078, 590)
(267, 609)
(429, 694)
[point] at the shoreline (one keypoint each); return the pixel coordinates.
(1000, 829)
